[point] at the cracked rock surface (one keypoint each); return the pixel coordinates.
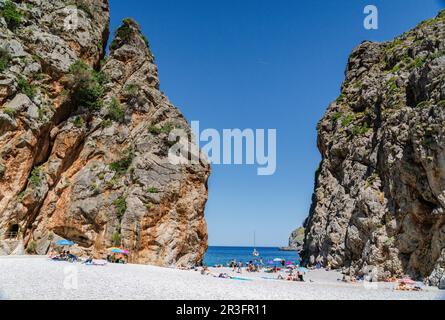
(84, 141)
(379, 198)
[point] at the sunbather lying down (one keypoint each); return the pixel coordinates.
(91, 262)
(405, 287)
(291, 277)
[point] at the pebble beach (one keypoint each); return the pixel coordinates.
(36, 278)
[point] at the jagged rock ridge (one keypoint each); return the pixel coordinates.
(84, 140)
(380, 190)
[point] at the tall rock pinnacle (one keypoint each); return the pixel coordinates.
(84, 141)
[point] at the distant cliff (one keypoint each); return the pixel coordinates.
(83, 140)
(379, 200)
(295, 239)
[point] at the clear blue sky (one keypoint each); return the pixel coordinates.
(261, 64)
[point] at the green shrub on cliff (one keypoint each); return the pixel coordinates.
(4, 59)
(131, 89)
(422, 104)
(360, 130)
(116, 111)
(116, 238)
(392, 86)
(122, 35)
(82, 5)
(2, 170)
(153, 190)
(78, 122)
(26, 87)
(121, 206)
(337, 115)
(36, 177)
(121, 166)
(87, 85)
(31, 248)
(347, 120)
(157, 130)
(10, 112)
(12, 15)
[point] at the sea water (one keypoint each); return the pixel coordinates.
(222, 255)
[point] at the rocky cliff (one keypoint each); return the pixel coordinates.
(296, 239)
(379, 200)
(84, 140)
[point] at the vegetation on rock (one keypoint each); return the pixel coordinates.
(4, 59)
(11, 14)
(26, 87)
(116, 111)
(87, 85)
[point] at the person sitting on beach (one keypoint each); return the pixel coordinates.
(300, 276)
(71, 257)
(205, 271)
(249, 266)
(403, 286)
(53, 255)
(329, 266)
(89, 260)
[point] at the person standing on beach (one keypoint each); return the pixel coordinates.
(240, 266)
(233, 264)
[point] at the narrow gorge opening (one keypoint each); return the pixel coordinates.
(13, 231)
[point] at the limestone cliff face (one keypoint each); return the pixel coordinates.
(380, 190)
(84, 140)
(296, 238)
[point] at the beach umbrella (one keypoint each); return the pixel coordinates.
(118, 250)
(302, 269)
(278, 260)
(63, 243)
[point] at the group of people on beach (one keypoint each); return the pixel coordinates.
(69, 257)
(63, 256)
(293, 275)
(252, 266)
(289, 272)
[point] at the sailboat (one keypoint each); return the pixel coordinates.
(255, 253)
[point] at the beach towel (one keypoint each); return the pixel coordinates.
(269, 278)
(241, 279)
(99, 263)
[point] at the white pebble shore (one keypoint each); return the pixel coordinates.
(30, 278)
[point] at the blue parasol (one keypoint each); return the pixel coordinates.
(62, 243)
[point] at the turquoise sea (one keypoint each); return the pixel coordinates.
(222, 255)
